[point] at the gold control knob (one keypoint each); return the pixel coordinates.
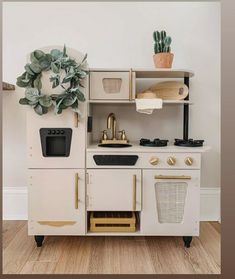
(188, 161)
(171, 161)
(154, 161)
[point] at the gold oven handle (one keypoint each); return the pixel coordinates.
(134, 192)
(130, 85)
(173, 177)
(76, 190)
(76, 120)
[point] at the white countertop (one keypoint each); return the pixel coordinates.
(145, 149)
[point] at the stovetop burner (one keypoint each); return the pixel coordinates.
(189, 142)
(154, 143)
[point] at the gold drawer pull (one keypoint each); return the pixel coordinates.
(130, 85)
(56, 223)
(76, 190)
(134, 192)
(76, 120)
(172, 177)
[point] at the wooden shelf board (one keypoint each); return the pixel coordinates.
(7, 86)
(150, 73)
(165, 102)
(163, 73)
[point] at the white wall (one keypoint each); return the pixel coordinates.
(116, 35)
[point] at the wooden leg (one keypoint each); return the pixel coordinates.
(39, 240)
(187, 240)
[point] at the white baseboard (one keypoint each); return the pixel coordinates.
(210, 204)
(15, 204)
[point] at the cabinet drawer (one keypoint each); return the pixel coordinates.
(111, 85)
(114, 190)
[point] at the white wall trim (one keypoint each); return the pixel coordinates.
(210, 204)
(15, 204)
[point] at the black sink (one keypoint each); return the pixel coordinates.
(114, 145)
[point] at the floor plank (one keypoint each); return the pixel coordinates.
(208, 236)
(76, 256)
(110, 255)
(16, 254)
(168, 255)
(9, 231)
(32, 267)
(122, 255)
(216, 225)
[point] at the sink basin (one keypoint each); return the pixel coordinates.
(114, 145)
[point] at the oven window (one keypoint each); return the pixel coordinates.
(56, 146)
(170, 200)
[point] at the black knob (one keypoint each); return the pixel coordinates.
(49, 132)
(62, 132)
(58, 132)
(53, 132)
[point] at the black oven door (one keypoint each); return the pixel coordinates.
(55, 142)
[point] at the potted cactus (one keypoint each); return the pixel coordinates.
(163, 57)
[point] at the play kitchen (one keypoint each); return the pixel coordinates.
(99, 170)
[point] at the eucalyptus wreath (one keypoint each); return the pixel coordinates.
(55, 61)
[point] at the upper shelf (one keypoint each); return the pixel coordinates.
(7, 86)
(162, 73)
(165, 102)
(151, 73)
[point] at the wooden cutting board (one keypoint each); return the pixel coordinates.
(169, 90)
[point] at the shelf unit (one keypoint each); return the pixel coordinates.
(155, 74)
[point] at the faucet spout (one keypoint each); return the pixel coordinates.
(111, 124)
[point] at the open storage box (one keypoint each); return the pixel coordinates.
(113, 221)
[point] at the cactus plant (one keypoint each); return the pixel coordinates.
(162, 42)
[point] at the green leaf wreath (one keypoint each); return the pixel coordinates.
(55, 61)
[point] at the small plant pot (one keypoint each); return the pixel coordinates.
(163, 60)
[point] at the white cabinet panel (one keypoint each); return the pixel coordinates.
(111, 86)
(171, 203)
(56, 201)
(67, 119)
(114, 190)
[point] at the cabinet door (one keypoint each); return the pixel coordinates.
(56, 201)
(112, 85)
(171, 202)
(114, 190)
(67, 119)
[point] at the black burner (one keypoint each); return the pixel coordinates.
(189, 142)
(154, 143)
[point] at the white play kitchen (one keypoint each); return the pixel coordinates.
(105, 169)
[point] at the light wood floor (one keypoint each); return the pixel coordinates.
(110, 255)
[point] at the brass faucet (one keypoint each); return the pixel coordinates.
(112, 124)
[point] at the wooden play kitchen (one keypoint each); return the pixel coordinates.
(85, 178)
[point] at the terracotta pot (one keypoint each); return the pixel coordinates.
(163, 60)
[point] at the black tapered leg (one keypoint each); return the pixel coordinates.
(39, 240)
(187, 240)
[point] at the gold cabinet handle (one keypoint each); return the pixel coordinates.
(76, 190)
(130, 85)
(172, 177)
(56, 223)
(134, 192)
(76, 120)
